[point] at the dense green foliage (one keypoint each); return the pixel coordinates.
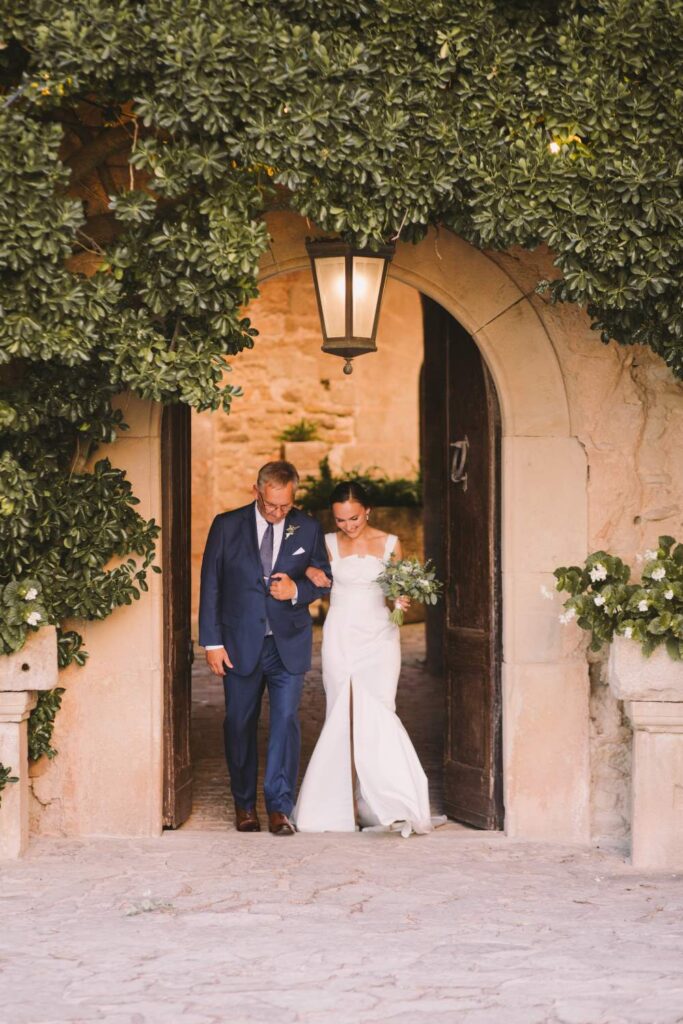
(41, 724)
(382, 490)
(141, 144)
(303, 430)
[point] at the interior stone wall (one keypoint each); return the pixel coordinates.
(369, 418)
(627, 413)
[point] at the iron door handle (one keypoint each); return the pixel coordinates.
(460, 453)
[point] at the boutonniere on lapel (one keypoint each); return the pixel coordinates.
(290, 531)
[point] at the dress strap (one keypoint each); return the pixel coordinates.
(389, 545)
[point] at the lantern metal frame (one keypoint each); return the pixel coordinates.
(358, 344)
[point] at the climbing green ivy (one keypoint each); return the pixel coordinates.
(141, 145)
(41, 724)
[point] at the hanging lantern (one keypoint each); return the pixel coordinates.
(348, 286)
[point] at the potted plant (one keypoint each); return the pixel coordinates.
(642, 621)
(301, 444)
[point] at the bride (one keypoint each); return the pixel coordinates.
(362, 737)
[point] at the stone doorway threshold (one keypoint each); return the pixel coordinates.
(419, 705)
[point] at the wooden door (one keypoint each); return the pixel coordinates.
(176, 498)
(462, 530)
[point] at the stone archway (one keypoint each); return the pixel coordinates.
(111, 725)
(544, 521)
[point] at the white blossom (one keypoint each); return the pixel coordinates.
(547, 594)
(598, 572)
(649, 555)
(659, 573)
(34, 618)
(643, 606)
(599, 600)
(31, 594)
(668, 594)
(628, 632)
(567, 616)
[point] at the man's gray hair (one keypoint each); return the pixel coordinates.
(280, 473)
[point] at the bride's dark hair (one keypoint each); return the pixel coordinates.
(350, 490)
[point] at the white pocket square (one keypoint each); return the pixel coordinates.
(299, 551)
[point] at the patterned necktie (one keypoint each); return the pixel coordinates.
(266, 551)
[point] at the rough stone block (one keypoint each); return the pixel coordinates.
(636, 678)
(34, 667)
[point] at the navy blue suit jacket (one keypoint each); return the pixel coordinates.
(234, 601)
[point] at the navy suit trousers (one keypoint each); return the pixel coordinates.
(242, 707)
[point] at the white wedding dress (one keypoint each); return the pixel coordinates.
(361, 660)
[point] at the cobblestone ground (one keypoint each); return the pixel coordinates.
(207, 926)
(222, 928)
(419, 704)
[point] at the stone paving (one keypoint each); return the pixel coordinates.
(419, 703)
(458, 926)
(206, 926)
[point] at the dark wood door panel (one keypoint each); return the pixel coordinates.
(473, 799)
(175, 480)
(459, 391)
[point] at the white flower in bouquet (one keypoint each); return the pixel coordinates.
(411, 578)
(643, 606)
(598, 572)
(659, 573)
(599, 600)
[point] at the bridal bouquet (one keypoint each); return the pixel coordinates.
(409, 578)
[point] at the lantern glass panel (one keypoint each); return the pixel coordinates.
(331, 273)
(367, 281)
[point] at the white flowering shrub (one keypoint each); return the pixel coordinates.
(21, 609)
(604, 601)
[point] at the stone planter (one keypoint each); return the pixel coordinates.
(652, 691)
(22, 676)
(634, 677)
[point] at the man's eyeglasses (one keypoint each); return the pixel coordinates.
(274, 509)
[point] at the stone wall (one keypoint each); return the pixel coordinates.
(627, 413)
(592, 436)
(370, 418)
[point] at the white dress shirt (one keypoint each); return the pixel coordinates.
(278, 533)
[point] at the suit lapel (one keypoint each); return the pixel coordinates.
(251, 538)
(288, 522)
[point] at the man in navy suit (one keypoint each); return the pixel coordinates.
(255, 625)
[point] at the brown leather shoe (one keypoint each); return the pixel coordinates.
(246, 820)
(280, 825)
